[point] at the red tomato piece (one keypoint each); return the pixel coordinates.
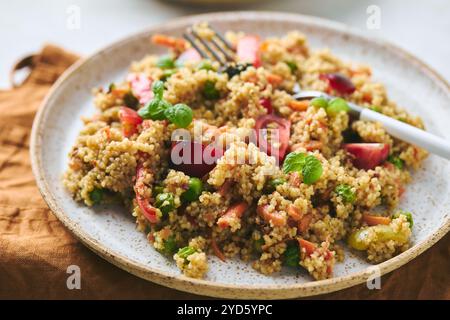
(367, 155)
(248, 50)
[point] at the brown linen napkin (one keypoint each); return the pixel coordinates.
(36, 250)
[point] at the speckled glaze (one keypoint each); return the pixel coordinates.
(110, 231)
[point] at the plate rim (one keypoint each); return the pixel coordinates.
(209, 287)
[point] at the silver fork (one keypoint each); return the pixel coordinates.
(220, 50)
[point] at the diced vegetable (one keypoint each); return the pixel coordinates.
(359, 239)
(396, 161)
(234, 212)
(275, 218)
(337, 105)
(257, 244)
(267, 104)
(375, 108)
(170, 246)
(141, 91)
(367, 155)
(130, 100)
(292, 65)
(235, 69)
(319, 102)
(209, 90)
(96, 195)
(247, 50)
(298, 105)
(194, 190)
(194, 167)
(294, 213)
(149, 212)
(346, 193)
(166, 62)
(272, 184)
(339, 83)
(373, 220)
(165, 202)
(178, 44)
(292, 255)
(186, 252)
(129, 119)
(274, 79)
(307, 245)
(264, 125)
(190, 55)
(205, 65)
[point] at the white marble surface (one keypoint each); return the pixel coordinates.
(422, 27)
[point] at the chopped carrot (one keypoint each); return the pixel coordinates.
(177, 44)
(304, 223)
(275, 217)
(234, 212)
(219, 254)
(373, 220)
(274, 79)
(165, 233)
(119, 93)
(298, 105)
(294, 213)
(264, 45)
(225, 187)
(307, 245)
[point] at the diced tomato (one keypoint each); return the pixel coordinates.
(234, 212)
(225, 187)
(304, 223)
(190, 55)
(248, 50)
(373, 220)
(367, 155)
(307, 245)
(267, 104)
(339, 83)
(198, 161)
(129, 120)
(294, 213)
(275, 217)
(219, 254)
(141, 87)
(284, 132)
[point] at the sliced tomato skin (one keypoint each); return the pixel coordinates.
(248, 50)
(284, 132)
(267, 104)
(367, 155)
(141, 86)
(194, 169)
(149, 212)
(339, 82)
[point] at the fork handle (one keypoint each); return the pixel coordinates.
(409, 133)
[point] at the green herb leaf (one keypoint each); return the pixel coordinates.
(111, 87)
(165, 62)
(154, 110)
(180, 115)
(396, 161)
(337, 105)
(167, 74)
(273, 183)
(292, 65)
(309, 166)
(312, 170)
(294, 161)
(292, 255)
(257, 244)
(346, 193)
(209, 90)
(158, 89)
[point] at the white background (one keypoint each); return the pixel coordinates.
(420, 26)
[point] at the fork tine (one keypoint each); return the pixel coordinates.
(227, 56)
(222, 38)
(191, 40)
(208, 47)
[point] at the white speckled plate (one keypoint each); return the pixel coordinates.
(110, 232)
